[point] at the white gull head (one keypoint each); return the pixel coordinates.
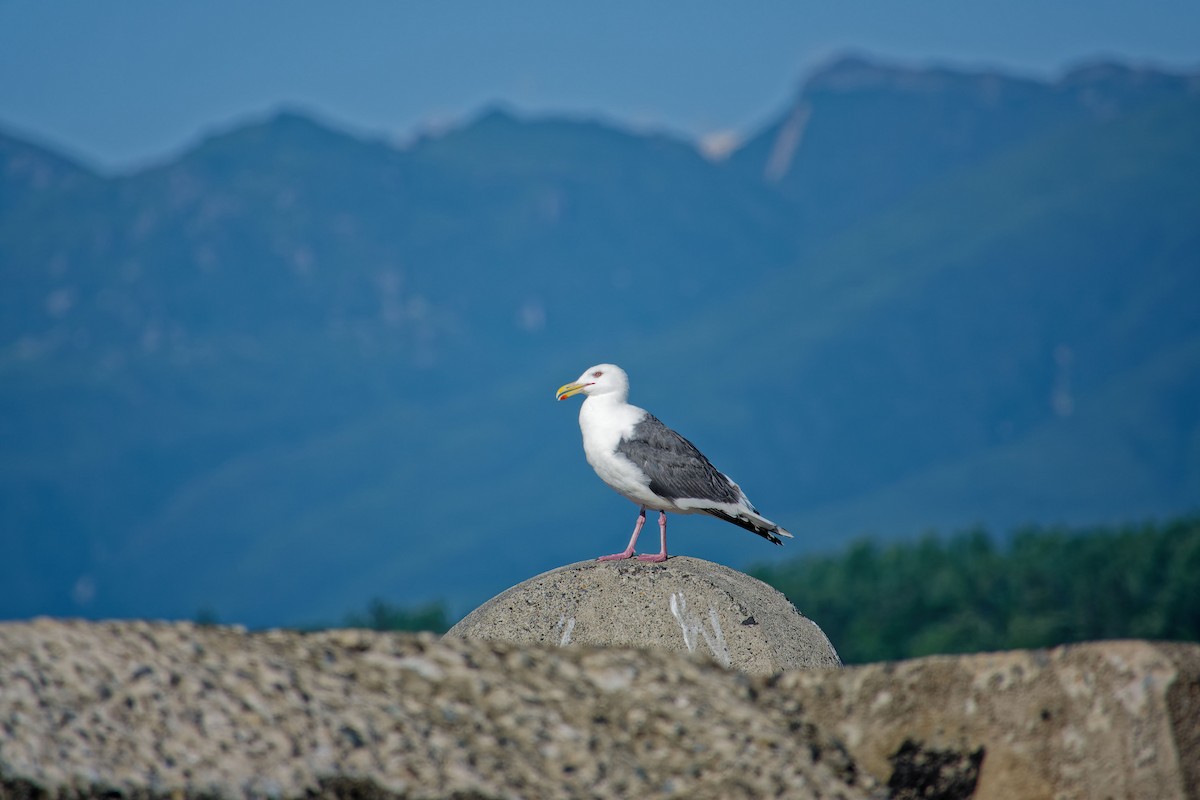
(602, 379)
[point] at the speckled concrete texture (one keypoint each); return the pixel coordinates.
(150, 711)
(685, 605)
(142, 710)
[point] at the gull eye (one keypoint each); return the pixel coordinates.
(597, 374)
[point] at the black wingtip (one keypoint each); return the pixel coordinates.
(741, 523)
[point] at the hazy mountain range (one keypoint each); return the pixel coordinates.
(293, 369)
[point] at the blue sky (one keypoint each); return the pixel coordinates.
(120, 82)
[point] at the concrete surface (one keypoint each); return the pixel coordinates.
(151, 711)
(1118, 719)
(156, 711)
(685, 605)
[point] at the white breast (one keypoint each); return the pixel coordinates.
(604, 423)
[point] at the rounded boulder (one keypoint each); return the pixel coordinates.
(684, 604)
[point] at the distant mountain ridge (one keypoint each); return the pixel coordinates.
(302, 361)
(924, 123)
(307, 209)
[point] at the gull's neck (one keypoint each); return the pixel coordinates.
(604, 419)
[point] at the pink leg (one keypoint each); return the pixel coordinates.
(661, 555)
(637, 529)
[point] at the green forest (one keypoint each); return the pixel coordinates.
(970, 592)
(383, 616)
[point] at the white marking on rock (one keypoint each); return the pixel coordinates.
(563, 630)
(691, 625)
(678, 605)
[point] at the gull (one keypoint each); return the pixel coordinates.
(652, 465)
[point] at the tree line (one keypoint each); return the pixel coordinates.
(970, 592)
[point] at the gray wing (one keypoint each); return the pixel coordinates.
(675, 467)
